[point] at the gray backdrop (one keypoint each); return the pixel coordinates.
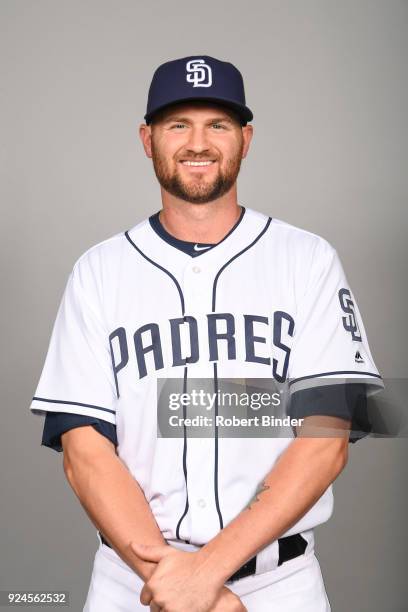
(327, 83)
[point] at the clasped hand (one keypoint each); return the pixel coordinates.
(184, 582)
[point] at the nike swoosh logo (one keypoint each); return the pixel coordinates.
(197, 248)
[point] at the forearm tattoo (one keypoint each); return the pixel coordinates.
(261, 488)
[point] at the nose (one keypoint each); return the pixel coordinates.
(198, 140)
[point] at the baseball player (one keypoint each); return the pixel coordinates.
(204, 289)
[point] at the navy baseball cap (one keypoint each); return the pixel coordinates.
(197, 77)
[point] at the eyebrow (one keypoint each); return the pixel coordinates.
(187, 120)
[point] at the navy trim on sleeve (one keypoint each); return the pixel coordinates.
(321, 374)
(57, 423)
(58, 401)
(346, 401)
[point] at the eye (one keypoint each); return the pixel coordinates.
(177, 125)
(218, 125)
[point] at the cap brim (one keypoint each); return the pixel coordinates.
(243, 111)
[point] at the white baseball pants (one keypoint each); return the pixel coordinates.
(295, 586)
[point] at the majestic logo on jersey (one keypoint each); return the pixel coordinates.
(358, 358)
(221, 331)
(350, 321)
(199, 73)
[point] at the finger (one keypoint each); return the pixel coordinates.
(228, 601)
(239, 606)
(146, 596)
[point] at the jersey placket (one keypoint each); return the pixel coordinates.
(202, 513)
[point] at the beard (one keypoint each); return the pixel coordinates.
(197, 190)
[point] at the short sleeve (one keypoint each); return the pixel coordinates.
(331, 368)
(57, 423)
(77, 376)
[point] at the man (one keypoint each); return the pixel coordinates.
(204, 289)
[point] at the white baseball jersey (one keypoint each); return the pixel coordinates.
(269, 301)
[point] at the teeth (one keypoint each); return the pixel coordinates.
(191, 163)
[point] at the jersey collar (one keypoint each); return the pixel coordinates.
(175, 260)
(193, 249)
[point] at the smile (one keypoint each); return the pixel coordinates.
(195, 163)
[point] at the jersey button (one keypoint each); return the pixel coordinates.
(201, 503)
(196, 269)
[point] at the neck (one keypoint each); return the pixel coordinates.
(206, 223)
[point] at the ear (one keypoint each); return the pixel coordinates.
(247, 133)
(145, 133)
